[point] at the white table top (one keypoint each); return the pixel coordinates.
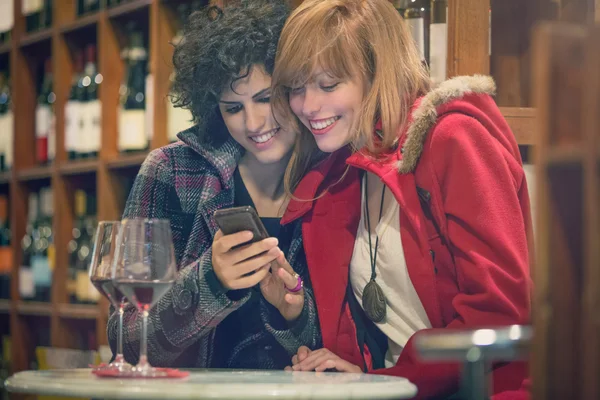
(214, 384)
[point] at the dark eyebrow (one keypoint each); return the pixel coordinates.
(257, 95)
(261, 93)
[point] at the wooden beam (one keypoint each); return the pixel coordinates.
(559, 55)
(468, 37)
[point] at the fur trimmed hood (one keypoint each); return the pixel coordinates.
(425, 115)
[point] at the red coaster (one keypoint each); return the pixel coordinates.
(169, 373)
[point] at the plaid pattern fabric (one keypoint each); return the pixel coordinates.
(186, 182)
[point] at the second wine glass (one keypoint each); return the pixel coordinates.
(100, 271)
(144, 270)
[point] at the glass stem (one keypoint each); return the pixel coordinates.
(143, 363)
(120, 335)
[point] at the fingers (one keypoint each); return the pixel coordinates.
(224, 243)
(251, 280)
(282, 262)
(303, 352)
(239, 255)
(314, 359)
(255, 263)
(289, 279)
(328, 364)
(288, 368)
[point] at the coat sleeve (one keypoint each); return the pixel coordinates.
(478, 184)
(195, 305)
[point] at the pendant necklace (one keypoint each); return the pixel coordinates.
(373, 299)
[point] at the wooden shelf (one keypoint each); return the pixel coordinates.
(5, 177)
(565, 155)
(127, 161)
(78, 311)
(522, 122)
(4, 306)
(5, 48)
(36, 37)
(128, 8)
(34, 308)
(79, 167)
(34, 173)
(83, 22)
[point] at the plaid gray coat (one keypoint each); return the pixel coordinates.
(186, 182)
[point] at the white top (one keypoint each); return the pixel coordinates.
(405, 313)
(215, 384)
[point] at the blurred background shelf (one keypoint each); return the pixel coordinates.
(34, 173)
(78, 311)
(33, 308)
(36, 38)
(128, 7)
(126, 161)
(78, 167)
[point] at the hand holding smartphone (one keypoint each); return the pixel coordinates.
(238, 219)
(240, 260)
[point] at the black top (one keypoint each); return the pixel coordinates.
(245, 325)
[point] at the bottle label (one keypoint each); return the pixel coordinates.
(92, 126)
(26, 283)
(6, 9)
(417, 30)
(81, 286)
(72, 122)
(42, 276)
(132, 132)
(178, 119)
(42, 121)
(52, 137)
(438, 52)
(149, 107)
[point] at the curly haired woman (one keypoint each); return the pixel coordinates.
(232, 307)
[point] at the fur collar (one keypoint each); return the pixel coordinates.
(425, 114)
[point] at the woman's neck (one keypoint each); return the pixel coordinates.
(264, 183)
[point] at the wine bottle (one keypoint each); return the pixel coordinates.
(73, 110)
(4, 131)
(43, 115)
(438, 45)
(6, 259)
(9, 127)
(40, 263)
(178, 119)
(46, 14)
(74, 244)
(132, 129)
(417, 18)
(92, 109)
(32, 10)
(26, 281)
(84, 253)
(91, 223)
(400, 6)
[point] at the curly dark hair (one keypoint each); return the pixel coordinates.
(218, 47)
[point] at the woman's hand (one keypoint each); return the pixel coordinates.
(273, 288)
(319, 361)
(243, 267)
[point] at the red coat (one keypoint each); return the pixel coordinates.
(475, 273)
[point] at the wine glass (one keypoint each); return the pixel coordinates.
(144, 270)
(100, 272)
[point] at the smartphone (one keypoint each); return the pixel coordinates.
(237, 219)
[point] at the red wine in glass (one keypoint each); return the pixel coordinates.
(144, 294)
(107, 288)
